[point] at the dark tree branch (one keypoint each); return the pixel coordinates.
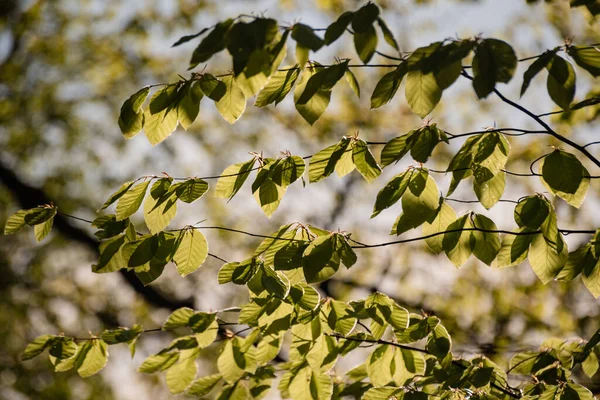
(537, 119)
(28, 197)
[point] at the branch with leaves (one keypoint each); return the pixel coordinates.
(412, 358)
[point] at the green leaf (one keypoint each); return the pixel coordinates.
(233, 178)
(213, 43)
(320, 261)
(181, 375)
(351, 79)
(131, 200)
(487, 244)
(91, 358)
(213, 88)
(561, 82)
(395, 149)
(15, 222)
(233, 363)
(144, 251)
(39, 215)
(117, 195)
(590, 365)
(191, 252)
(37, 347)
(190, 190)
(204, 385)
(42, 230)
(161, 116)
(540, 63)
(531, 212)
(325, 79)
(323, 163)
(565, 176)
(387, 34)
(419, 202)
(457, 241)
(573, 391)
(233, 103)
(439, 342)
(269, 195)
(312, 109)
(287, 171)
(365, 17)
(544, 258)
(364, 161)
(122, 335)
(275, 282)
(387, 87)
(587, 57)
(514, 248)
(63, 348)
(178, 318)
(337, 28)
(578, 260)
(391, 192)
(489, 192)
(238, 273)
(494, 61)
(131, 118)
(158, 362)
(279, 85)
(444, 216)
(591, 278)
(306, 37)
(422, 92)
(158, 218)
(189, 105)
(309, 384)
(365, 43)
(422, 141)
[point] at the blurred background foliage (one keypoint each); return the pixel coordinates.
(65, 68)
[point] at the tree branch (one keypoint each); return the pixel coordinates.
(28, 197)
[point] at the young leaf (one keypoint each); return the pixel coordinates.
(540, 63)
(189, 105)
(487, 243)
(494, 61)
(91, 358)
(387, 34)
(15, 222)
(131, 200)
(395, 149)
(278, 87)
(365, 43)
(457, 241)
(161, 116)
(181, 375)
(565, 176)
(561, 81)
(191, 252)
(37, 347)
(213, 43)
(422, 92)
(233, 103)
(233, 178)
(337, 28)
(445, 215)
(204, 385)
(544, 258)
(312, 109)
(391, 192)
(158, 218)
(306, 37)
(591, 278)
(131, 119)
(587, 57)
(364, 161)
(213, 88)
(351, 79)
(190, 190)
(38, 215)
(117, 195)
(42, 230)
(489, 192)
(387, 87)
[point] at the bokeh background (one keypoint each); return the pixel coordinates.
(66, 66)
